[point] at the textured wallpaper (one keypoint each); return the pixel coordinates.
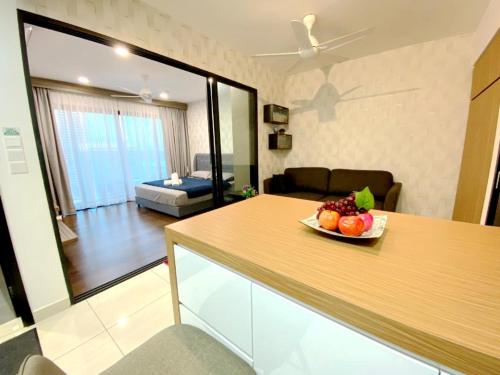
(198, 128)
(140, 24)
(403, 110)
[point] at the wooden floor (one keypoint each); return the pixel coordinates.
(113, 241)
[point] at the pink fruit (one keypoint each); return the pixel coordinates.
(367, 220)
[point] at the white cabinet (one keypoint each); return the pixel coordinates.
(217, 296)
(290, 339)
(187, 317)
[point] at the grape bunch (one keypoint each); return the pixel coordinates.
(344, 206)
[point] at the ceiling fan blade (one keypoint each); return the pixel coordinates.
(126, 89)
(342, 44)
(126, 96)
(275, 54)
(362, 32)
(301, 35)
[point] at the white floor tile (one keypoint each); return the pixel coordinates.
(93, 357)
(139, 327)
(122, 300)
(70, 328)
(162, 271)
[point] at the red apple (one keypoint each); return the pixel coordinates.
(351, 225)
(367, 220)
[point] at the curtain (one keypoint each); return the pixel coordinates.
(176, 138)
(109, 147)
(52, 153)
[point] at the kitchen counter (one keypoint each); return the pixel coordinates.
(428, 286)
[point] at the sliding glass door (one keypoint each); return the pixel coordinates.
(234, 137)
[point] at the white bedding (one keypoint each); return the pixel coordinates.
(167, 196)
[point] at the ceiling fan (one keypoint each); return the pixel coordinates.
(145, 93)
(309, 47)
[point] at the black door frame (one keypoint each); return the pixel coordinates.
(25, 17)
(495, 195)
(11, 273)
(215, 147)
(213, 93)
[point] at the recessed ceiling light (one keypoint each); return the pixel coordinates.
(163, 95)
(83, 80)
(121, 51)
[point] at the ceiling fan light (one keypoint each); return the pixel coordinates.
(122, 51)
(83, 80)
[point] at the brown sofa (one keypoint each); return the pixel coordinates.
(322, 184)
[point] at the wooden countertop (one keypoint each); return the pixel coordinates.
(427, 285)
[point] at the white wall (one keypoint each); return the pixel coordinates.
(23, 195)
(199, 141)
(488, 26)
(225, 118)
(410, 119)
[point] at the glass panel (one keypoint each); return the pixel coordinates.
(237, 138)
(6, 310)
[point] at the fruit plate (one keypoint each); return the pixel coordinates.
(376, 231)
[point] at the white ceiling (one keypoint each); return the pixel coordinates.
(263, 26)
(63, 57)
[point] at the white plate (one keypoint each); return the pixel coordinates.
(376, 231)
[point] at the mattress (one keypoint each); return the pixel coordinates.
(167, 196)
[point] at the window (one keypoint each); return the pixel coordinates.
(109, 147)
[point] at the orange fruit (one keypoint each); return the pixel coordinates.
(351, 225)
(329, 219)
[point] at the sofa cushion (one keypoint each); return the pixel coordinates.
(309, 179)
(344, 181)
(379, 205)
(303, 195)
(281, 183)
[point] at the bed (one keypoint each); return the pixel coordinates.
(173, 201)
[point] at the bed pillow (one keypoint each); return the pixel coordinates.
(202, 174)
(226, 176)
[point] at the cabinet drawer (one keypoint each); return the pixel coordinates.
(290, 339)
(187, 317)
(219, 297)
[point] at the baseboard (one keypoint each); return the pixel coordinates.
(52, 309)
(11, 327)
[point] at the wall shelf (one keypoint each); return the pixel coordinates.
(280, 141)
(275, 114)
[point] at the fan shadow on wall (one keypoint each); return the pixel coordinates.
(327, 97)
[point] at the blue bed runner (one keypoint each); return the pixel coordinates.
(194, 187)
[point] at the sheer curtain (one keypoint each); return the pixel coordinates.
(109, 146)
(143, 143)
